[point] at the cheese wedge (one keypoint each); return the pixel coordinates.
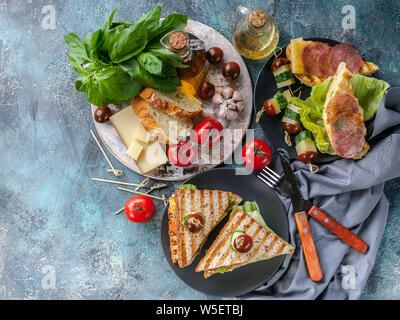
(152, 157)
(135, 150)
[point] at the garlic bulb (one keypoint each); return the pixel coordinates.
(230, 103)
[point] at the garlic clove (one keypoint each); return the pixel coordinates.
(231, 115)
(237, 96)
(239, 105)
(227, 92)
(207, 112)
(217, 98)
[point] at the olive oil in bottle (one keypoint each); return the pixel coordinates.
(255, 34)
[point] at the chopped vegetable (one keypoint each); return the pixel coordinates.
(305, 147)
(280, 99)
(187, 186)
(283, 76)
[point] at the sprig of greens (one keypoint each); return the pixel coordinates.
(117, 60)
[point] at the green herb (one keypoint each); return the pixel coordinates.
(117, 60)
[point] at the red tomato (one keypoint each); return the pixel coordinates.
(183, 154)
(140, 209)
(278, 62)
(256, 154)
(209, 131)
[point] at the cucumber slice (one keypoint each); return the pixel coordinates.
(303, 135)
(287, 95)
(286, 83)
(234, 235)
(289, 113)
(275, 104)
(280, 99)
(282, 69)
(294, 107)
(305, 146)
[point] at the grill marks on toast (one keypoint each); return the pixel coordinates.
(266, 244)
(212, 204)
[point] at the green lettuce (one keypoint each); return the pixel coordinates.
(368, 91)
(188, 186)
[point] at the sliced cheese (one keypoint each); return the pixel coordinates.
(152, 157)
(305, 146)
(296, 47)
(134, 150)
(143, 135)
(126, 123)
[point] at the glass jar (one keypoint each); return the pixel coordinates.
(255, 34)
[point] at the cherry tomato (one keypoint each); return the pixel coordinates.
(278, 62)
(140, 209)
(256, 154)
(308, 157)
(194, 222)
(269, 108)
(102, 114)
(231, 70)
(183, 154)
(209, 131)
(214, 55)
(243, 243)
(206, 90)
(291, 128)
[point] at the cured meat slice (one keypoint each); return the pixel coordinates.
(310, 55)
(347, 128)
(325, 69)
(344, 52)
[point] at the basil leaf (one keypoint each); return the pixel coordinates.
(125, 43)
(167, 85)
(174, 21)
(151, 63)
(152, 22)
(93, 94)
(129, 66)
(76, 48)
(172, 58)
(115, 85)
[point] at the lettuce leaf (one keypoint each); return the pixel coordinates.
(187, 186)
(311, 118)
(368, 91)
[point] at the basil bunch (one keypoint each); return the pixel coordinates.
(121, 57)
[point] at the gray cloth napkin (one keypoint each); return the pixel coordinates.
(352, 193)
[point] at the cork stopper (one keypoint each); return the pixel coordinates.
(257, 18)
(178, 40)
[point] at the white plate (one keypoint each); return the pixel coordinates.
(211, 37)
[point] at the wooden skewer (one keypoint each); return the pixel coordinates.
(113, 170)
(156, 187)
(119, 211)
(163, 198)
(138, 185)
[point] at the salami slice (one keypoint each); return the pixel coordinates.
(344, 52)
(325, 69)
(310, 55)
(347, 128)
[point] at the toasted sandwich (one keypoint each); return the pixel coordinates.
(343, 117)
(159, 123)
(244, 239)
(193, 214)
(294, 54)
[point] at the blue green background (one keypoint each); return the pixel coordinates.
(52, 214)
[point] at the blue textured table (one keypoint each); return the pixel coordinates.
(58, 239)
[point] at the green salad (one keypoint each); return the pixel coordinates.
(368, 91)
(117, 60)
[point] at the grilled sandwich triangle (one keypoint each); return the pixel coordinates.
(213, 204)
(221, 257)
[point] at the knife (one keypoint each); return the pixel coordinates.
(302, 206)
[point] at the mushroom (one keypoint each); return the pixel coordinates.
(230, 103)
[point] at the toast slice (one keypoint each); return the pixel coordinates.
(332, 114)
(221, 257)
(178, 104)
(293, 54)
(159, 123)
(213, 204)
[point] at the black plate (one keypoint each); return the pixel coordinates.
(266, 87)
(246, 278)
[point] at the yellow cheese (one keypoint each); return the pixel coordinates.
(126, 123)
(296, 47)
(142, 135)
(152, 157)
(134, 150)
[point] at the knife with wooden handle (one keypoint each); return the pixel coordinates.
(312, 261)
(335, 227)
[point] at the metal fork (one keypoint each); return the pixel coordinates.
(275, 181)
